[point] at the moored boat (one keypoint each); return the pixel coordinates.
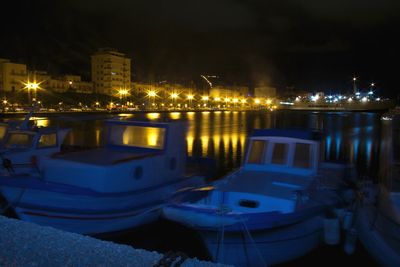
(272, 209)
(378, 215)
(107, 189)
(23, 144)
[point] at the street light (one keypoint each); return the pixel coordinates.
(152, 94)
(205, 98)
(190, 97)
(174, 96)
(123, 93)
(31, 86)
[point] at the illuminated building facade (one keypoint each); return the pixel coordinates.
(111, 71)
(12, 75)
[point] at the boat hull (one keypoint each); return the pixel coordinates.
(379, 235)
(84, 211)
(264, 247)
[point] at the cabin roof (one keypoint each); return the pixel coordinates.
(293, 133)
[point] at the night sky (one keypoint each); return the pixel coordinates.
(311, 44)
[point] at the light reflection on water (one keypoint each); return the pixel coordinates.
(351, 137)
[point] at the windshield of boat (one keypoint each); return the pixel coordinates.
(290, 153)
(3, 130)
(137, 136)
(19, 140)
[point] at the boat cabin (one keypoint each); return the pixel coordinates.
(40, 138)
(136, 154)
(284, 151)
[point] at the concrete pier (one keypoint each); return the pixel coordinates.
(27, 244)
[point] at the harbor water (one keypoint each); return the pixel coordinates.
(352, 137)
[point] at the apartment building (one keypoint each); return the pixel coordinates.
(12, 75)
(111, 71)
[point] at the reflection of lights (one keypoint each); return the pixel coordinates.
(268, 101)
(243, 101)
(189, 140)
(217, 99)
(175, 115)
(97, 133)
(297, 99)
(153, 116)
(204, 98)
(125, 115)
(227, 100)
(42, 122)
(235, 100)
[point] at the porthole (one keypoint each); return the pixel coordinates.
(249, 203)
(138, 172)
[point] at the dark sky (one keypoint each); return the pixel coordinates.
(309, 44)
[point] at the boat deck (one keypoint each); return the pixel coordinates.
(267, 183)
(103, 156)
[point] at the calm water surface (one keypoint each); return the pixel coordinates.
(221, 135)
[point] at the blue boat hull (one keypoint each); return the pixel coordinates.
(82, 210)
(264, 247)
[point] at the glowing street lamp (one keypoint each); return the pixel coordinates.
(354, 85)
(152, 95)
(174, 96)
(31, 86)
(205, 98)
(190, 97)
(217, 99)
(257, 101)
(371, 90)
(123, 93)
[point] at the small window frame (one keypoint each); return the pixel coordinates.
(46, 147)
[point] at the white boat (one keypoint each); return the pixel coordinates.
(22, 145)
(269, 211)
(113, 188)
(378, 218)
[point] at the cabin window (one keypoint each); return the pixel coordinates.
(47, 140)
(279, 155)
(3, 130)
(302, 156)
(19, 140)
(257, 151)
(138, 136)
